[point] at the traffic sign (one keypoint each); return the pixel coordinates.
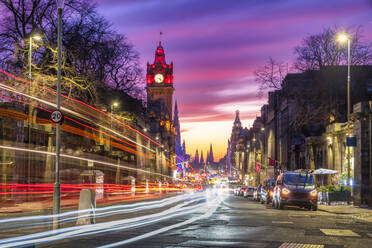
(56, 116)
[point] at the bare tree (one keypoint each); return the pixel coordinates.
(270, 76)
(94, 55)
(323, 50)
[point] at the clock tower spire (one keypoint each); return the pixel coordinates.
(159, 87)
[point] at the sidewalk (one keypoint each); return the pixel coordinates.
(363, 214)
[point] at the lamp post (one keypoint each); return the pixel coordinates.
(115, 104)
(343, 38)
(36, 37)
(57, 186)
(264, 150)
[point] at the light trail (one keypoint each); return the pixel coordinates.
(83, 159)
(89, 106)
(66, 110)
(210, 210)
(71, 232)
(81, 102)
(99, 212)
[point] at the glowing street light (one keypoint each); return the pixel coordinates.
(342, 38)
(35, 37)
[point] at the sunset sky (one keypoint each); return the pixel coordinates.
(217, 44)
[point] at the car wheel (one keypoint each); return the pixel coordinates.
(315, 207)
(280, 204)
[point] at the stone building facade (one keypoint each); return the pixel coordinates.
(304, 126)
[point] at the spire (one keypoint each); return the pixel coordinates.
(159, 54)
(237, 119)
(211, 158)
(176, 124)
(201, 158)
(184, 147)
(237, 124)
(207, 157)
(196, 159)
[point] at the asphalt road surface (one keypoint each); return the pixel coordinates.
(226, 221)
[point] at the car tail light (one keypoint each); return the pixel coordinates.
(314, 193)
(285, 191)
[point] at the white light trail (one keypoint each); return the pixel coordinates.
(212, 207)
(49, 236)
(82, 159)
(99, 212)
(66, 110)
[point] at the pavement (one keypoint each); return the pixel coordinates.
(235, 222)
(356, 212)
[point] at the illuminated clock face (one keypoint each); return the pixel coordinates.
(159, 78)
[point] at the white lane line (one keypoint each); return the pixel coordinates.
(282, 222)
(298, 245)
(339, 232)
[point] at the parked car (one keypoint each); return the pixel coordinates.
(237, 190)
(296, 189)
(267, 191)
(248, 193)
(243, 189)
(257, 193)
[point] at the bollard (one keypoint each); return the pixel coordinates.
(147, 186)
(133, 187)
(87, 201)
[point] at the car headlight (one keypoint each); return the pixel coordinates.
(314, 193)
(285, 191)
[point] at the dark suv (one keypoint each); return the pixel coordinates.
(296, 189)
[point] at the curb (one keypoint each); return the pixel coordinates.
(328, 211)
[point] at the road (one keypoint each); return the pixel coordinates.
(228, 221)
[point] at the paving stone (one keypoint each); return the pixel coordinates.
(339, 232)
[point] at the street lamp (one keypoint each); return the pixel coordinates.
(35, 37)
(263, 158)
(57, 186)
(342, 38)
(115, 104)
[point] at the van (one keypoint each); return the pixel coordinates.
(295, 189)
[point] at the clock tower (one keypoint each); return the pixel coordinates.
(159, 87)
(159, 80)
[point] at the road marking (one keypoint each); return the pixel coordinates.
(339, 232)
(299, 215)
(369, 235)
(297, 245)
(282, 222)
